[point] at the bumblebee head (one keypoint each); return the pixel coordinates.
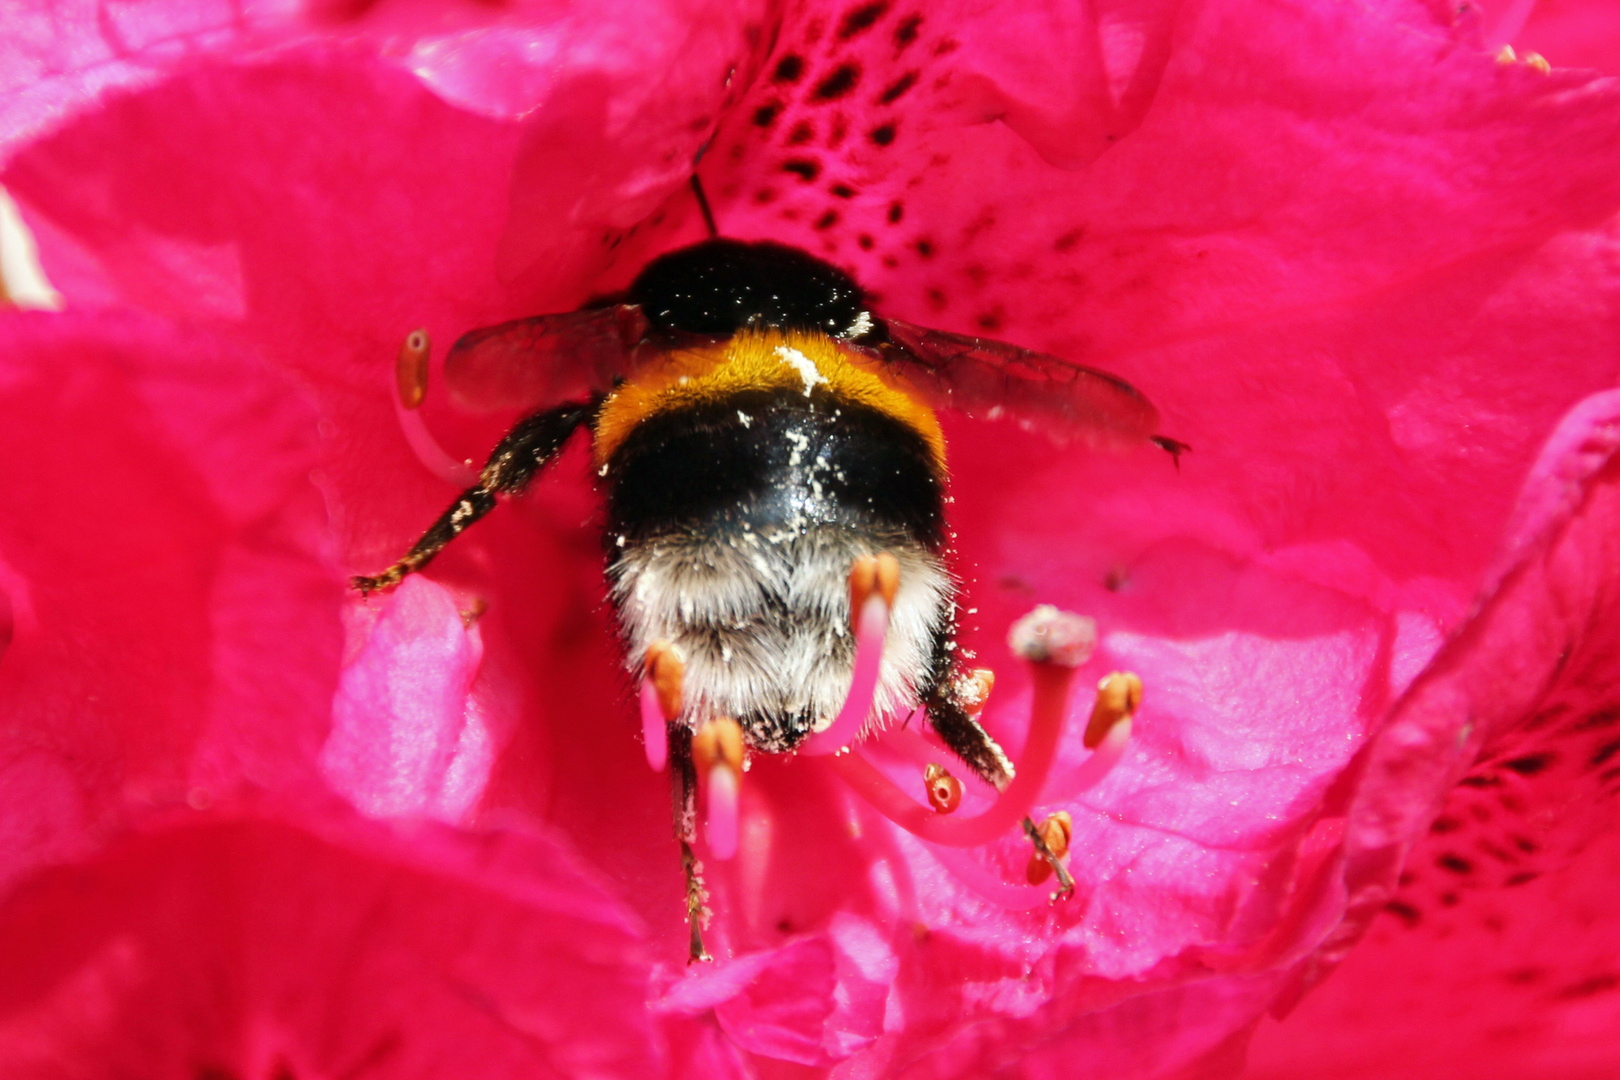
(719, 287)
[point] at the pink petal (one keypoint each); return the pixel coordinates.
(251, 946)
(174, 633)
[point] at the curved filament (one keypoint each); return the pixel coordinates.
(720, 823)
(846, 727)
(1040, 750)
(654, 739)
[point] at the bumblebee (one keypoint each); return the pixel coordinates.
(769, 455)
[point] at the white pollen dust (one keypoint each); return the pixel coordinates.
(805, 366)
(745, 418)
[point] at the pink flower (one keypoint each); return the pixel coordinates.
(1364, 268)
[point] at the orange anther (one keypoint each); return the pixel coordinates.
(1056, 832)
(665, 668)
(411, 368)
(718, 741)
(1119, 695)
(944, 790)
(878, 573)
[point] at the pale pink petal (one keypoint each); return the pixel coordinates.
(407, 738)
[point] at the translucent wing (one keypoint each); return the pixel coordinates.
(1045, 393)
(545, 360)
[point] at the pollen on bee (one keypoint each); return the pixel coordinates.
(1119, 695)
(973, 689)
(411, 368)
(944, 790)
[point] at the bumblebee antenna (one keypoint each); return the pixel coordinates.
(703, 205)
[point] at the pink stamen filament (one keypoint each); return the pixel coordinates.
(846, 726)
(1051, 691)
(427, 448)
(654, 739)
(720, 823)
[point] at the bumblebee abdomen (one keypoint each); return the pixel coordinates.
(768, 462)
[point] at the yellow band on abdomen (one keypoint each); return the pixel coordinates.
(804, 362)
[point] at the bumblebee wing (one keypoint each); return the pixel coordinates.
(1045, 393)
(541, 361)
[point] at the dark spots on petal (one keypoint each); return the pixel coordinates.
(946, 47)
(214, 1072)
(891, 262)
(1529, 764)
(859, 20)
(1602, 718)
(842, 191)
(1523, 877)
(925, 248)
(1068, 240)
(865, 241)
(1445, 824)
(992, 320)
(1405, 912)
(898, 88)
(766, 114)
(1523, 976)
(805, 169)
(840, 128)
(883, 135)
(1480, 781)
(784, 926)
(936, 299)
(906, 32)
(1407, 878)
(1456, 864)
(789, 69)
(1526, 845)
(765, 195)
(897, 210)
(1609, 776)
(1497, 851)
(838, 83)
(1597, 984)
(802, 133)
(1449, 899)
(827, 220)
(1603, 753)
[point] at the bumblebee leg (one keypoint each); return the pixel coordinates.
(970, 742)
(683, 789)
(524, 451)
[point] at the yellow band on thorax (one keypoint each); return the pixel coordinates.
(804, 362)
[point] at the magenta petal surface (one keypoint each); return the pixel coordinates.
(166, 567)
(1362, 267)
(235, 945)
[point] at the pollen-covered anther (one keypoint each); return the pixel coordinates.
(1050, 636)
(1119, 695)
(1056, 832)
(411, 368)
(1537, 63)
(717, 751)
(944, 790)
(1506, 55)
(473, 612)
(662, 677)
(973, 690)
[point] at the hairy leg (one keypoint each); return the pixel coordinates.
(522, 453)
